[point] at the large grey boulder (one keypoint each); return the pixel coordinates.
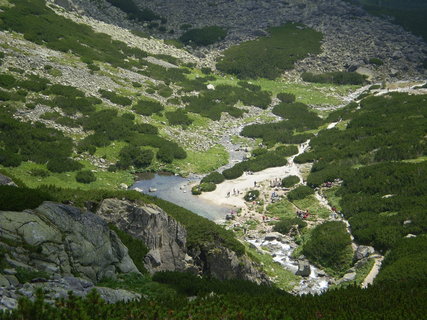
(363, 252)
(304, 268)
(4, 180)
(163, 235)
(63, 240)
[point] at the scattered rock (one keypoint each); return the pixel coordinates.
(363, 252)
(349, 277)
(6, 181)
(3, 281)
(273, 236)
(304, 269)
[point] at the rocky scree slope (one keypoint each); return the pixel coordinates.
(351, 36)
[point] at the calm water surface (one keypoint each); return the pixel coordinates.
(177, 190)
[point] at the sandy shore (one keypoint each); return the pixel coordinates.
(251, 181)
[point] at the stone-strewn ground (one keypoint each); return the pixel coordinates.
(351, 36)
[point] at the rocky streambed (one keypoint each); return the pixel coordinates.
(313, 280)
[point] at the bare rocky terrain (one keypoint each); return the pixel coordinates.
(351, 36)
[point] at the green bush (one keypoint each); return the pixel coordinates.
(335, 78)
(85, 176)
(63, 165)
(178, 117)
(286, 97)
(7, 81)
(196, 190)
(66, 91)
(300, 193)
(290, 181)
(268, 57)
(203, 36)
(115, 98)
(203, 187)
(285, 225)
(18, 199)
(330, 246)
(148, 107)
(146, 128)
(165, 155)
(214, 177)
(135, 156)
(251, 195)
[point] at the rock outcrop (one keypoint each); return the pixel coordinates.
(6, 181)
(224, 264)
(163, 235)
(59, 288)
(62, 240)
(166, 239)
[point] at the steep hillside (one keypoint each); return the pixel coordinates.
(306, 117)
(352, 37)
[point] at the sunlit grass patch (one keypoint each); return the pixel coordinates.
(203, 161)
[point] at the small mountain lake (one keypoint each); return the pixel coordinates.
(177, 190)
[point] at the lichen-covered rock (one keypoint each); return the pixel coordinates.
(163, 235)
(63, 240)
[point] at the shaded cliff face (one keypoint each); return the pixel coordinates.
(166, 239)
(63, 240)
(163, 235)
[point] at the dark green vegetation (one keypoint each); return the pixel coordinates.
(136, 248)
(115, 98)
(203, 36)
(335, 77)
(286, 97)
(21, 141)
(85, 176)
(300, 193)
(18, 199)
(178, 117)
(210, 103)
(410, 13)
(275, 158)
(330, 246)
(290, 181)
(42, 26)
(214, 177)
(286, 224)
(232, 300)
(133, 10)
(298, 117)
(148, 107)
(380, 158)
(203, 187)
(268, 57)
